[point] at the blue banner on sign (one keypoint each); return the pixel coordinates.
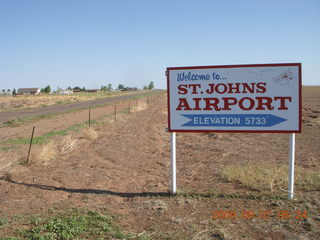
(233, 120)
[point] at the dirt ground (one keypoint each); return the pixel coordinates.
(126, 170)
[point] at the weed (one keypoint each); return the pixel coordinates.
(4, 148)
(43, 154)
(77, 127)
(89, 134)
(36, 140)
(67, 144)
(308, 179)
(3, 222)
(258, 177)
(36, 220)
(8, 159)
(15, 122)
(262, 177)
(73, 224)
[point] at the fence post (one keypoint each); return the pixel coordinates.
(89, 117)
(115, 112)
(129, 106)
(30, 144)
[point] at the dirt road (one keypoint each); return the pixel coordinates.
(5, 116)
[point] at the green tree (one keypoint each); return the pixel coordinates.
(83, 89)
(109, 87)
(145, 87)
(14, 92)
(103, 88)
(120, 87)
(151, 85)
(47, 89)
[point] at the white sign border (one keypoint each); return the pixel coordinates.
(237, 66)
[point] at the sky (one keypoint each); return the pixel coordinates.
(89, 43)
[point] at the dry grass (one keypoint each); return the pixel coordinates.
(34, 101)
(141, 106)
(68, 144)
(309, 180)
(263, 177)
(89, 134)
(259, 177)
(43, 154)
(46, 153)
(8, 159)
(5, 103)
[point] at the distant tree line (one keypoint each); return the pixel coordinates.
(149, 87)
(77, 89)
(47, 89)
(106, 88)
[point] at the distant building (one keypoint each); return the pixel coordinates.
(93, 90)
(65, 92)
(6, 92)
(28, 91)
(129, 89)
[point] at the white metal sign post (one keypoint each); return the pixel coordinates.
(173, 163)
(235, 98)
(291, 165)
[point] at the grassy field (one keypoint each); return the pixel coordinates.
(9, 103)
